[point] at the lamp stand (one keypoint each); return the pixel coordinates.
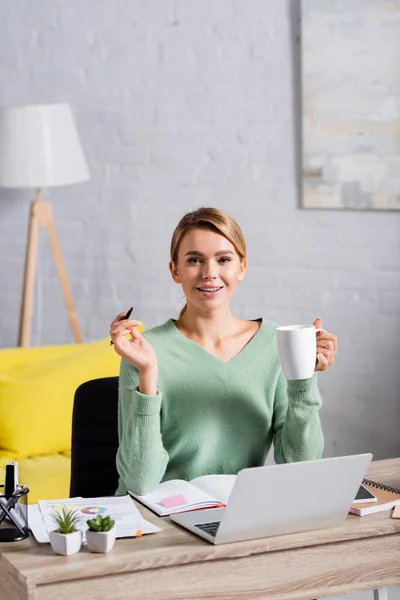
(41, 215)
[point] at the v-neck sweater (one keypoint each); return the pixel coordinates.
(211, 416)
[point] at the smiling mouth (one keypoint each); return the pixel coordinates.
(209, 291)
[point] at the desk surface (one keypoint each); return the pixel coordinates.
(364, 553)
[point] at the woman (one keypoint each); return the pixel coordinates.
(205, 393)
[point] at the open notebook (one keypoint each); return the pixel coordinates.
(177, 495)
(386, 498)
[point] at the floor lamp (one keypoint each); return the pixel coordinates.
(40, 147)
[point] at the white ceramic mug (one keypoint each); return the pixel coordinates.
(297, 347)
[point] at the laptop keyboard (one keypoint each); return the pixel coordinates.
(210, 528)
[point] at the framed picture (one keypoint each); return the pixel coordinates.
(351, 104)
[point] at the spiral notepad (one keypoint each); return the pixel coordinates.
(386, 497)
(381, 486)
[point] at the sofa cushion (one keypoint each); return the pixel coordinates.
(37, 387)
(47, 477)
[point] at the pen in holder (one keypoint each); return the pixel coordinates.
(14, 515)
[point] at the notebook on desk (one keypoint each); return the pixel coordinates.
(281, 499)
(177, 495)
(386, 497)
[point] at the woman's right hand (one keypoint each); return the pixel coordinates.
(138, 351)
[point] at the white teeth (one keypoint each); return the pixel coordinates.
(209, 289)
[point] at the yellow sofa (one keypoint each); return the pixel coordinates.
(37, 387)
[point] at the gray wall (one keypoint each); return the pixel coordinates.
(181, 104)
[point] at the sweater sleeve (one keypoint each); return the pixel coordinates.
(297, 427)
(141, 457)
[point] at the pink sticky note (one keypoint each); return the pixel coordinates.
(172, 501)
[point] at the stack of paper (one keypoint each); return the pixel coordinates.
(128, 520)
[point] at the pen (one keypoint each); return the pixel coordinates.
(128, 314)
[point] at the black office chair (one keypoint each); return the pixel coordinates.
(95, 439)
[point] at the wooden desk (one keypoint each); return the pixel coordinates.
(363, 554)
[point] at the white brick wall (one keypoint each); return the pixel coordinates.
(185, 103)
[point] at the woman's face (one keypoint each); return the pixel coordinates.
(208, 269)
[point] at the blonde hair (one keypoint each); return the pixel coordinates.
(208, 218)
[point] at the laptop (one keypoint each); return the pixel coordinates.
(280, 499)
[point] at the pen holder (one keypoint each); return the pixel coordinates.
(14, 515)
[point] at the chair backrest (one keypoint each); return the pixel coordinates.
(95, 439)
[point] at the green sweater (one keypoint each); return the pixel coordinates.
(210, 416)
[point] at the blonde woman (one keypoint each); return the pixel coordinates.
(205, 393)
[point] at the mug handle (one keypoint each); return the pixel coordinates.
(320, 329)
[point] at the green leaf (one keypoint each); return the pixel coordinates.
(67, 521)
(100, 523)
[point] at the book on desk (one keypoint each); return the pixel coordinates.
(386, 498)
(177, 495)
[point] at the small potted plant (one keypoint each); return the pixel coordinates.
(101, 534)
(66, 539)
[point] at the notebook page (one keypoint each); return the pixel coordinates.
(219, 486)
(193, 497)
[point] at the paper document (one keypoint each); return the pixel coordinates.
(128, 520)
(36, 524)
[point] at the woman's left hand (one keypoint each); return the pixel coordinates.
(327, 346)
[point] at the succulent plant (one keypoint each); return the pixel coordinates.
(67, 520)
(100, 523)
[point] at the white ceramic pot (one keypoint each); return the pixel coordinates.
(66, 543)
(101, 541)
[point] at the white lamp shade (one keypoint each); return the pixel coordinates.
(40, 147)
